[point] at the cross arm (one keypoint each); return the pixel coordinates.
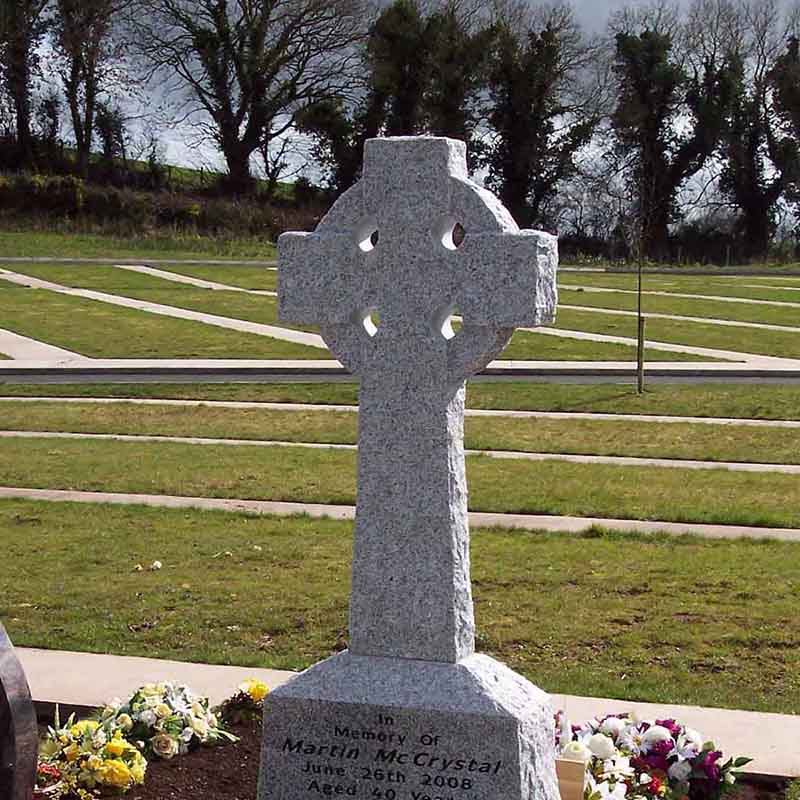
(319, 280)
(507, 280)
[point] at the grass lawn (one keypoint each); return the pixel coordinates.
(739, 312)
(650, 619)
(243, 276)
(101, 330)
(260, 309)
(47, 244)
(770, 401)
(744, 340)
(621, 438)
(328, 476)
(744, 287)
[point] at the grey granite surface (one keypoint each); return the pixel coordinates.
(411, 593)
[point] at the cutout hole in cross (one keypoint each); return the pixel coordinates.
(367, 235)
(449, 323)
(370, 320)
(449, 232)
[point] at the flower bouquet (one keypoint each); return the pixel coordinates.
(168, 718)
(246, 705)
(628, 758)
(84, 759)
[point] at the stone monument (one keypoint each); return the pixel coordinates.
(19, 736)
(410, 712)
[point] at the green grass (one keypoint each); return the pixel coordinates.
(684, 284)
(709, 309)
(618, 438)
(744, 340)
(243, 276)
(140, 286)
(649, 619)
(769, 401)
(101, 330)
(260, 309)
(45, 244)
(328, 476)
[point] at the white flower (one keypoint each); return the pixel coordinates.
(148, 717)
(602, 746)
(156, 565)
(680, 771)
(575, 751)
(690, 741)
(653, 735)
(607, 791)
(644, 779)
(631, 740)
(612, 727)
(187, 734)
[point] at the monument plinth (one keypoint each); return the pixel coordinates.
(410, 712)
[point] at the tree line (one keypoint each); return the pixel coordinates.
(672, 130)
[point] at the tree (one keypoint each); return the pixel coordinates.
(22, 25)
(668, 123)
(537, 127)
(459, 45)
(247, 66)
(761, 148)
(84, 42)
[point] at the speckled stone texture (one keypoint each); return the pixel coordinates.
(382, 275)
(352, 725)
(386, 248)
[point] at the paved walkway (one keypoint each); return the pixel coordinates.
(470, 412)
(517, 455)
(176, 277)
(751, 359)
(260, 329)
(87, 680)
(22, 347)
(729, 323)
(717, 298)
(529, 522)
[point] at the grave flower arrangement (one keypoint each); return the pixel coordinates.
(246, 705)
(628, 758)
(168, 718)
(86, 759)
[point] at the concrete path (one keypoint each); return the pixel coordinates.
(715, 297)
(22, 347)
(470, 412)
(700, 352)
(260, 329)
(679, 318)
(528, 522)
(84, 681)
(516, 455)
(176, 277)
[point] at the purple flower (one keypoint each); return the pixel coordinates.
(708, 763)
(671, 726)
(656, 761)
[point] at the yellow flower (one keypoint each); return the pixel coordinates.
(257, 689)
(162, 710)
(72, 752)
(49, 747)
(115, 773)
(138, 769)
(84, 726)
(116, 747)
(94, 762)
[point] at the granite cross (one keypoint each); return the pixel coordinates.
(19, 737)
(390, 250)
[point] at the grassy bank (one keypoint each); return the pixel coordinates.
(608, 615)
(329, 476)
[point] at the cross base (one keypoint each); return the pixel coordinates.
(399, 729)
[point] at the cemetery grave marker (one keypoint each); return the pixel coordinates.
(410, 712)
(19, 742)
